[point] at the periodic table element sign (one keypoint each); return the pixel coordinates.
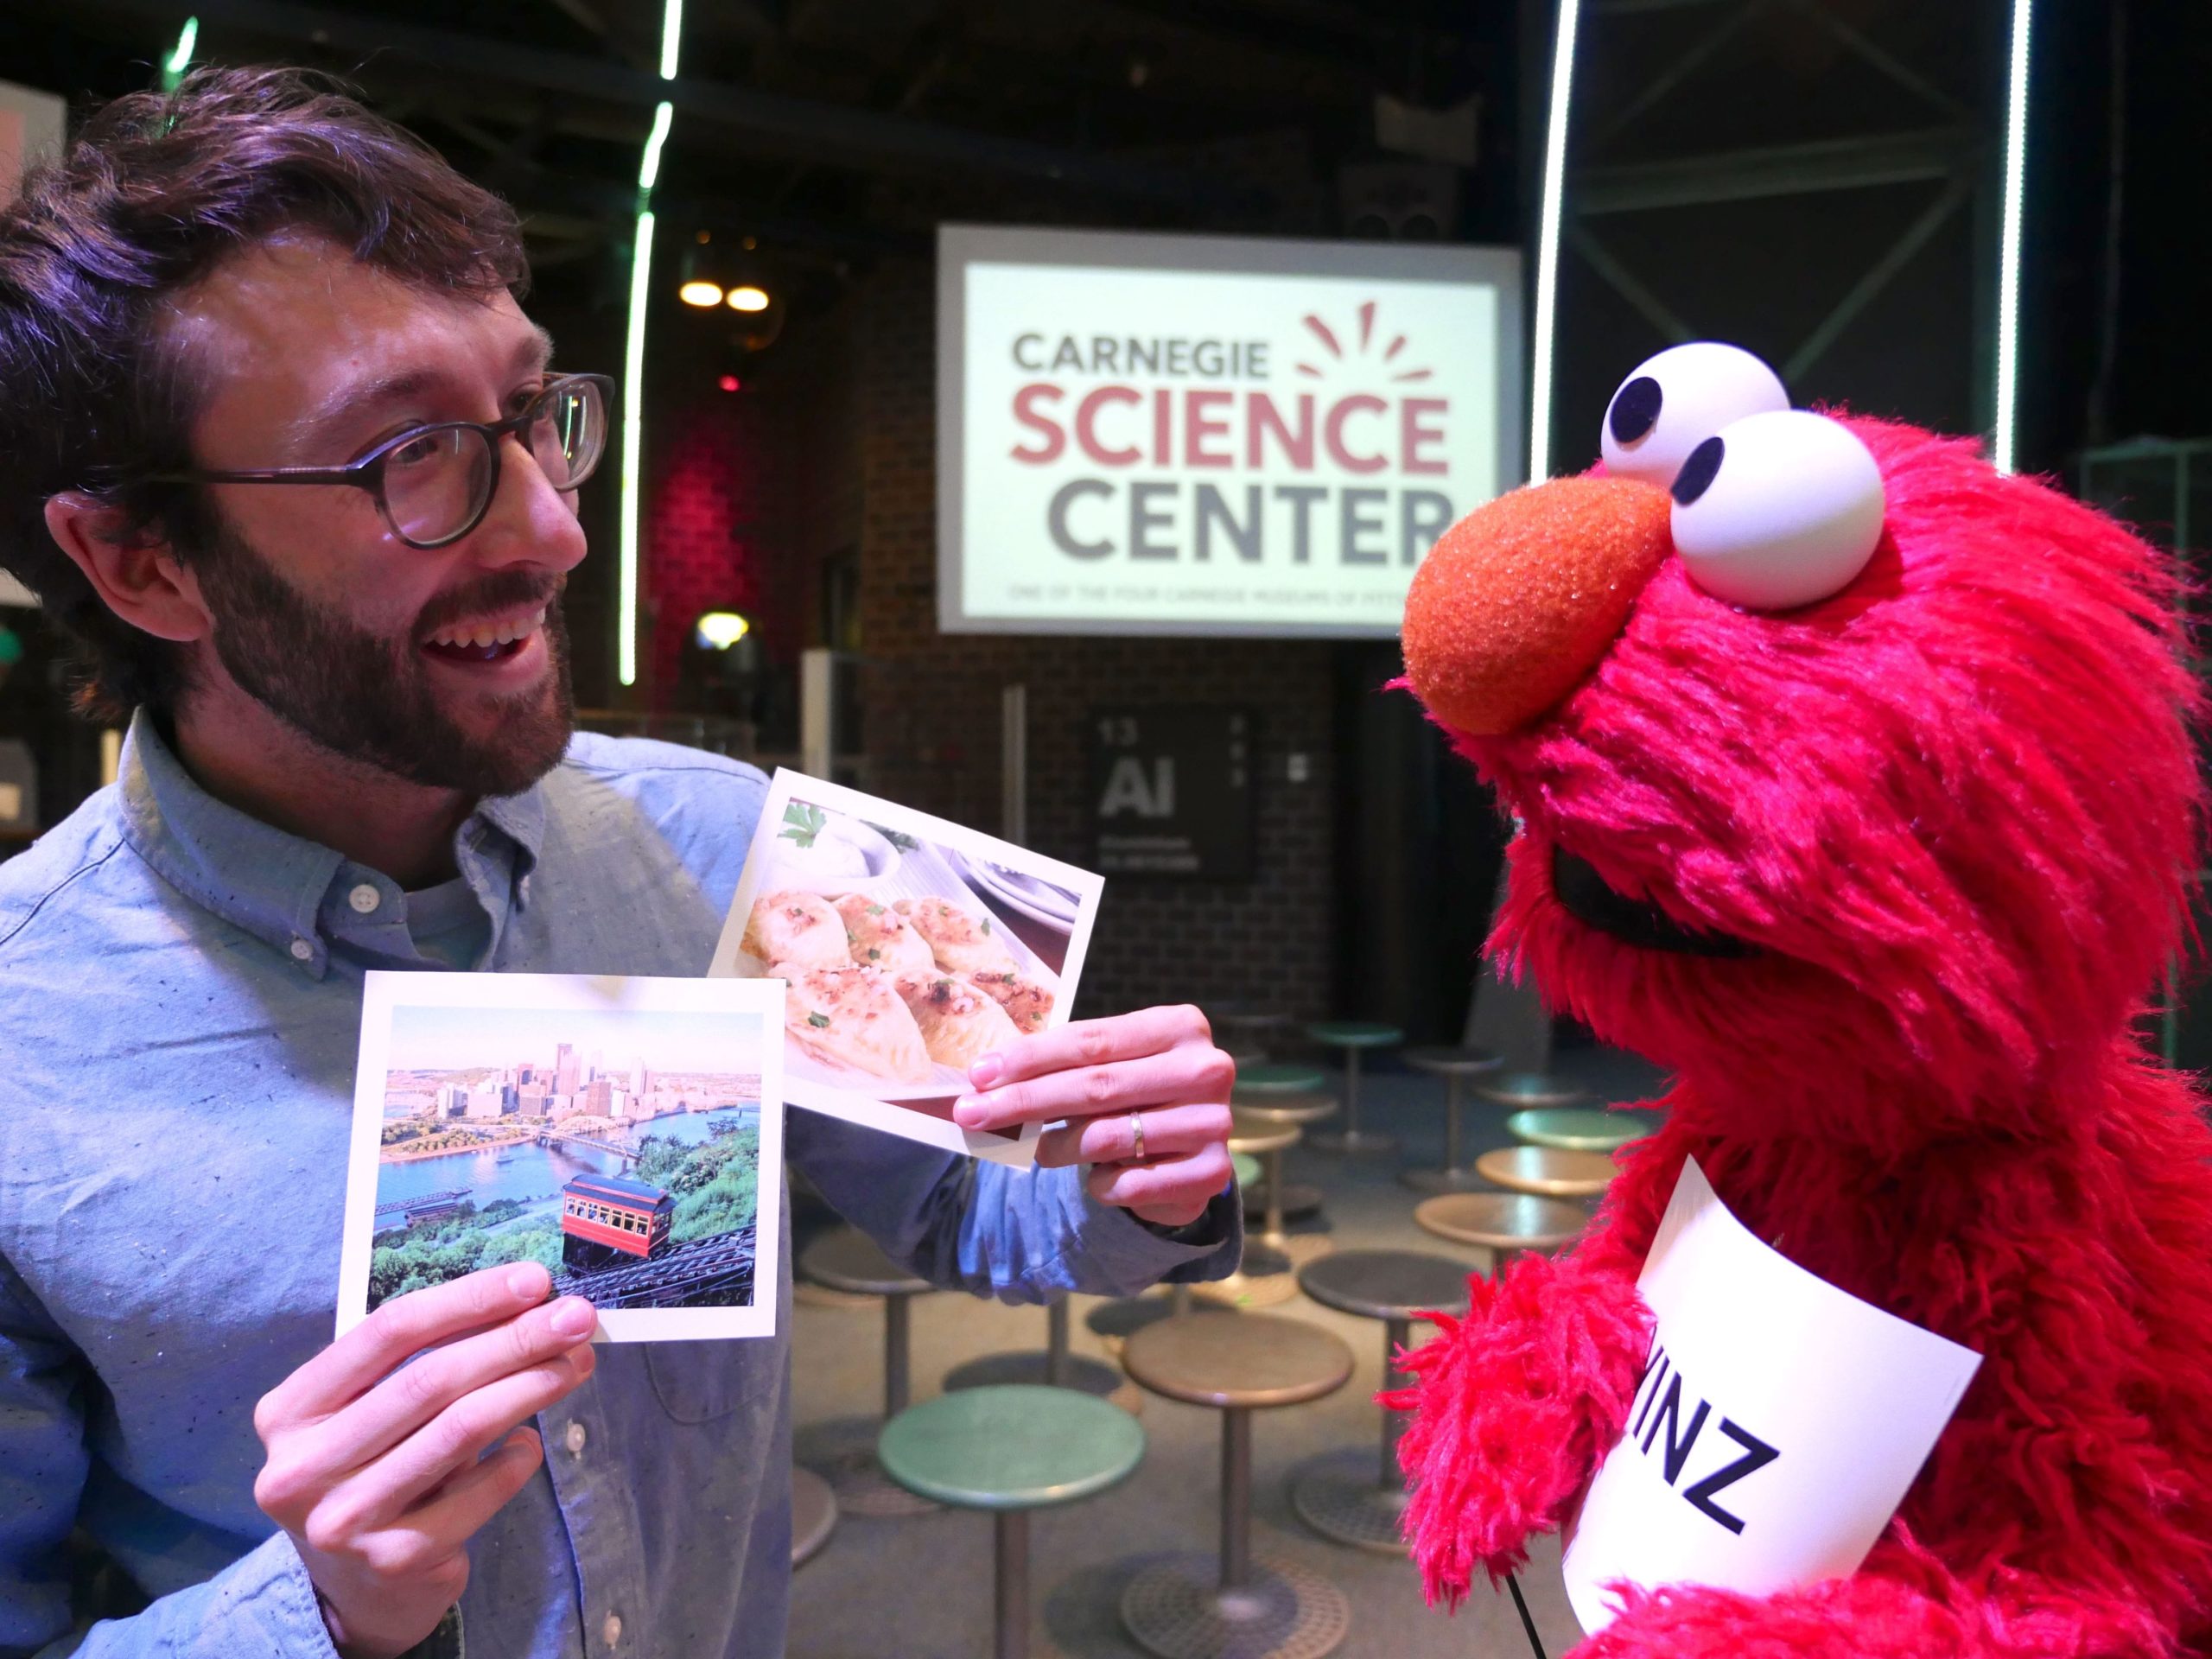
(1172, 791)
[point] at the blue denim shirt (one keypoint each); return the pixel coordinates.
(177, 1042)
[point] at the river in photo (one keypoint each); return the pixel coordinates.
(534, 1175)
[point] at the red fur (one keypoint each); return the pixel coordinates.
(1958, 807)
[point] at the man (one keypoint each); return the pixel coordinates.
(352, 748)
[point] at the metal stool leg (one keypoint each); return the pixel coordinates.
(1451, 1178)
(1271, 1231)
(894, 1356)
(1346, 1497)
(1451, 1125)
(1012, 1622)
(1055, 1344)
(1189, 1607)
(1235, 1497)
(1351, 1138)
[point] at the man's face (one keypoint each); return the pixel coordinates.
(321, 612)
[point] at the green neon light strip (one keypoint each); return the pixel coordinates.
(633, 356)
(671, 32)
(178, 61)
(648, 169)
(1540, 379)
(633, 443)
(2008, 273)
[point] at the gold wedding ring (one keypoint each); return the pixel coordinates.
(1136, 1129)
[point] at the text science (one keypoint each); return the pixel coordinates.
(1212, 435)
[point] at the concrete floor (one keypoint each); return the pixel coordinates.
(858, 1599)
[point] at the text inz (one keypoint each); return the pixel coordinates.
(1659, 1409)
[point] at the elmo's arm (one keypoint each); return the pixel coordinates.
(1517, 1404)
(1902, 1604)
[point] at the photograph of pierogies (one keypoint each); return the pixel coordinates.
(906, 958)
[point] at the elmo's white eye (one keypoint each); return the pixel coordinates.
(1777, 510)
(1675, 401)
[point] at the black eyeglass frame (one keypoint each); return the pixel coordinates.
(367, 473)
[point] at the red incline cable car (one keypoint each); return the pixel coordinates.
(604, 1212)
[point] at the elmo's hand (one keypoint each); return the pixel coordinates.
(1516, 1405)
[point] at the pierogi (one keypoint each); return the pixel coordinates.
(796, 927)
(961, 942)
(853, 1016)
(1027, 1004)
(959, 1024)
(878, 937)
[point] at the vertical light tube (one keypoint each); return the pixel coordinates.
(1540, 357)
(634, 444)
(179, 59)
(2008, 254)
(633, 358)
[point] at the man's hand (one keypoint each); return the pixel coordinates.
(1157, 1068)
(377, 1468)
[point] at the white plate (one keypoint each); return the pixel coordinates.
(1040, 901)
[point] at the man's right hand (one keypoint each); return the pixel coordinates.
(377, 1468)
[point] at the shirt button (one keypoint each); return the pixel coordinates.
(611, 1632)
(302, 952)
(575, 1441)
(364, 898)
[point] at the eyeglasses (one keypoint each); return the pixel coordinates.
(434, 484)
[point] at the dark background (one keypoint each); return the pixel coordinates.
(818, 142)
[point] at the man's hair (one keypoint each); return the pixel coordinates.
(155, 191)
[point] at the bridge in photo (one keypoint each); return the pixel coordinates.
(427, 1201)
(707, 1271)
(555, 1137)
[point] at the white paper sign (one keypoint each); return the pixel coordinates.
(1779, 1421)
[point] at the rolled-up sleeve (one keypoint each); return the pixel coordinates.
(1018, 1234)
(261, 1606)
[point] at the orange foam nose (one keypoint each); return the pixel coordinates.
(1523, 596)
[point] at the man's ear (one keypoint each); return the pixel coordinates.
(138, 576)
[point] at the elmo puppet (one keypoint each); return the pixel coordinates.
(1856, 787)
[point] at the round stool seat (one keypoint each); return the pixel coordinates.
(1014, 1446)
(1501, 1221)
(1578, 1128)
(1453, 1062)
(1250, 1360)
(1518, 1089)
(1252, 1135)
(1547, 1170)
(1385, 1284)
(1284, 1109)
(814, 1514)
(1280, 1079)
(849, 1259)
(1355, 1033)
(1246, 1168)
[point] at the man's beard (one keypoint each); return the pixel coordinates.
(369, 698)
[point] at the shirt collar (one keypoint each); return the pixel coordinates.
(276, 886)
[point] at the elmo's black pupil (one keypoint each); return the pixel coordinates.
(1636, 409)
(1699, 471)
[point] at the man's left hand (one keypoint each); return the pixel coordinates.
(1146, 1097)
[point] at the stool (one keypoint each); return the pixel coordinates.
(1547, 1172)
(1055, 1366)
(1455, 1066)
(1353, 1036)
(848, 1259)
(1190, 1606)
(814, 1514)
(1504, 1224)
(1264, 1277)
(1279, 1202)
(1346, 1496)
(1519, 1091)
(1246, 1028)
(1578, 1128)
(1255, 1081)
(1011, 1449)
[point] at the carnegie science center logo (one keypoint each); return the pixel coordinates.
(1327, 445)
